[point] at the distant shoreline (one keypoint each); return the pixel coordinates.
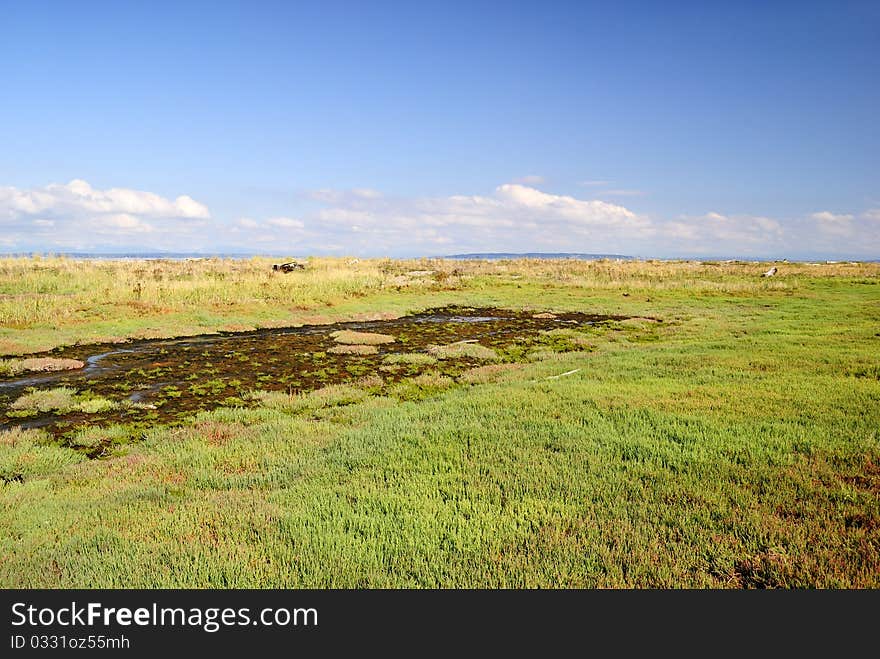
(537, 255)
(489, 256)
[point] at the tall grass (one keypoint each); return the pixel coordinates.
(58, 289)
(52, 301)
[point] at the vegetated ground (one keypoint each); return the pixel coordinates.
(733, 444)
(167, 380)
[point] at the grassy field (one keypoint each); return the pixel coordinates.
(735, 444)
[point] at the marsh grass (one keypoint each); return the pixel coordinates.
(18, 435)
(45, 400)
(421, 386)
(94, 406)
(51, 301)
(29, 454)
(351, 337)
(462, 350)
(61, 400)
(330, 396)
(357, 349)
(561, 340)
(413, 358)
(488, 373)
(37, 364)
(110, 436)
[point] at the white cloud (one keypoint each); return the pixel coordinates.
(848, 233)
(514, 217)
(79, 196)
(191, 208)
(834, 224)
(120, 221)
(576, 210)
(77, 216)
(717, 234)
(827, 216)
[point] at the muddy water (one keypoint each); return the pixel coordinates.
(166, 380)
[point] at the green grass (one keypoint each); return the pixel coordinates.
(421, 386)
(736, 444)
(415, 358)
(27, 455)
(459, 350)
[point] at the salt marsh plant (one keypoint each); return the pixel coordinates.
(463, 349)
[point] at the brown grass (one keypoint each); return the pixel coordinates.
(37, 364)
(361, 338)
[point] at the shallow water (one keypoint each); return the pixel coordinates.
(170, 379)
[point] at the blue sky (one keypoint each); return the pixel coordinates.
(657, 129)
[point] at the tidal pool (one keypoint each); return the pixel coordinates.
(167, 380)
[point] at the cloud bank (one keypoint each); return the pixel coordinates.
(514, 217)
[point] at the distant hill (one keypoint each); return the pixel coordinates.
(537, 255)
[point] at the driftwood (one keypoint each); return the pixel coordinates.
(772, 271)
(288, 267)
